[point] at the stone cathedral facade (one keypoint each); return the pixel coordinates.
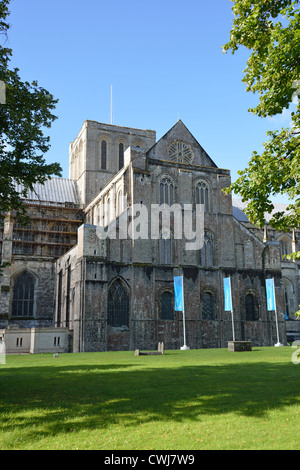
(79, 267)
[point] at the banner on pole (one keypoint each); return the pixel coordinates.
(178, 289)
(270, 290)
(227, 294)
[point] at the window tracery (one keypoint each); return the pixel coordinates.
(23, 295)
(180, 152)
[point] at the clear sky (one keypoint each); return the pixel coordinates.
(163, 59)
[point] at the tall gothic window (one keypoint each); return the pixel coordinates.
(202, 195)
(167, 306)
(250, 307)
(23, 295)
(166, 191)
(206, 252)
(207, 306)
(118, 305)
(166, 242)
(103, 154)
(121, 156)
(286, 303)
(285, 247)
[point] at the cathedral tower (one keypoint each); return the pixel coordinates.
(97, 154)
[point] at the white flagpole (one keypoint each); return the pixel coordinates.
(276, 317)
(233, 332)
(232, 319)
(184, 347)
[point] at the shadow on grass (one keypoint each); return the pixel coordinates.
(62, 399)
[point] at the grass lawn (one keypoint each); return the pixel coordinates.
(183, 400)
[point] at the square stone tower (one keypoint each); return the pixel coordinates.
(97, 154)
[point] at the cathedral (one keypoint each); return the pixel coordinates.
(96, 266)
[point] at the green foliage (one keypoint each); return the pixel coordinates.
(270, 29)
(24, 116)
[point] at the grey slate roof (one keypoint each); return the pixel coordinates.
(53, 191)
(64, 191)
(238, 206)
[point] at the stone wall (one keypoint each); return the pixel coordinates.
(36, 340)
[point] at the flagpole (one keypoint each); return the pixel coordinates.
(232, 319)
(276, 318)
(228, 307)
(184, 347)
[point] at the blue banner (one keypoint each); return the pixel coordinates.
(227, 294)
(178, 289)
(271, 305)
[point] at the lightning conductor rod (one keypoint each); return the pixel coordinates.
(111, 105)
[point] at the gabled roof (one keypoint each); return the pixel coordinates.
(181, 133)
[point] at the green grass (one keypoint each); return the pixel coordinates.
(183, 400)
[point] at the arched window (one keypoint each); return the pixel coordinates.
(166, 242)
(167, 306)
(103, 154)
(250, 308)
(286, 303)
(206, 252)
(207, 306)
(23, 295)
(166, 191)
(202, 195)
(121, 155)
(118, 305)
(289, 298)
(285, 247)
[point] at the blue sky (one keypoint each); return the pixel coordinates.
(163, 59)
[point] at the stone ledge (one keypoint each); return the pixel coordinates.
(239, 346)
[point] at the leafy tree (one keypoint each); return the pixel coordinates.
(270, 29)
(24, 114)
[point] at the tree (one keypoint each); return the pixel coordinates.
(270, 29)
(24, 113)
